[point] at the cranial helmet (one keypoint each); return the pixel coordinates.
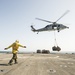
(17, 41)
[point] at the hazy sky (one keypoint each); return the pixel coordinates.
(16, 17)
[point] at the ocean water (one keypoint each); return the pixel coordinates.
(18, 52)
(64, 52)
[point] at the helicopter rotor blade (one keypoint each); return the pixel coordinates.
(63, 15)
(44, 20)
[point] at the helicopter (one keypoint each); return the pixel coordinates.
(51, 27)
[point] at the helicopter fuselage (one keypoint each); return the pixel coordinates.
(51, 27)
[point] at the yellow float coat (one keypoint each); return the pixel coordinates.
(15, 47)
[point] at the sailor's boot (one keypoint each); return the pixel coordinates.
(10, 62)
(15, 61)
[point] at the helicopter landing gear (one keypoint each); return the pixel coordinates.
(37, 32)
(58, 31)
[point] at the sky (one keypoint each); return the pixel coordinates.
(16, 17)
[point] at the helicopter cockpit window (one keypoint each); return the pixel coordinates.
(47, 26)
(58, 25)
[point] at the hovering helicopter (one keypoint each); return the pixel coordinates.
(51, 27)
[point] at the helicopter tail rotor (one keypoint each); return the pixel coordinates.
(33, 29)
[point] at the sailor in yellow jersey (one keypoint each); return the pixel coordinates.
(15, 46)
